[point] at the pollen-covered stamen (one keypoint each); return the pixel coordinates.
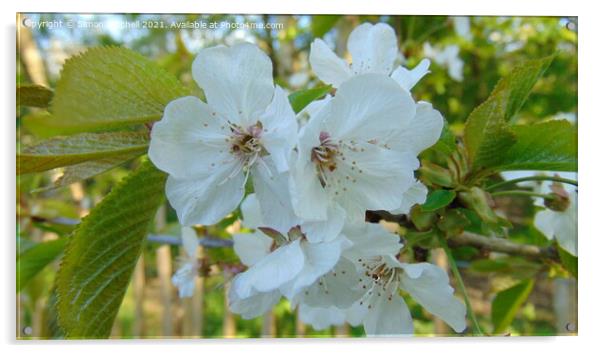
(379, 279)
(324, 156)
(246, 145)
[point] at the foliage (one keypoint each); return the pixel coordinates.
(506, 304)
(102, 252)
(110, 87)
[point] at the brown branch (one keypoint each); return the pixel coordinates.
(504, 246)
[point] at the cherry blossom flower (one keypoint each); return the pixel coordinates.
(359, 151)
(185, 277)
(380, 308)
(447, 57)
(559, 219)
(279, 263)
(373, 49)
(462, 26)
(247, 127)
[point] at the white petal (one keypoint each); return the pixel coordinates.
(372, 178)
(373, 48)
(237, 81)
(370, 240)
(339, 288)
(251, 212)
(204, 201)
(327, 65)
(309, 134)
(188, 141)
(567, 227)
(319, 259)
(253, 306)
(415, 195)
(367, 107)
(321, 318)
(280, 130)
(420, 133)
(560, 225)
(545, 221)
(356, 313)
(429, 286)
(319, 231)
(184, 279)
(190, 241)
(409, 78)
(272, 191)
(310, 201)
(251, 247)
(272, 271)
(388, 317)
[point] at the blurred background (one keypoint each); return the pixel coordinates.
(468, 55)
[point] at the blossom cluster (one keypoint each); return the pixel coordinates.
(313, 175)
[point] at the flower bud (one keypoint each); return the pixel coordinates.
(559, 200)
(436, 175)
(479, 201)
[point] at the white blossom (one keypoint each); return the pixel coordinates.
(559, 224)
(380, 307)
(358, 152)
(448, 57)
(373, 49)
(462, 26)
(279, 263)
(209, 149)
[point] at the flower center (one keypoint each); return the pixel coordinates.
(379, 279)
(324, 156)
(246, 144)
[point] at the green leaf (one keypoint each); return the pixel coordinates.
(497, 140)
(438, 199)
(34, 96)
(452, 222)
(103, 251)
(427, 240)
(506, 304)
(111, 87)
(63, 151)
(487, 134)
(321, 24)
(479, 201)
(569, 261)
(301, 99)
(550, 145)
(34, 259)
(79, 172)
(44, 125)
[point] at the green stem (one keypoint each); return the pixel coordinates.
(535, 178)
(454, 268)
(521, 193)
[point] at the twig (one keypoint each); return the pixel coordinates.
(522, 193)
(208, 242)
(503, 246)
(458, 276)
(532, 178)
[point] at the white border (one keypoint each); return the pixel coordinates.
(590, 175)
